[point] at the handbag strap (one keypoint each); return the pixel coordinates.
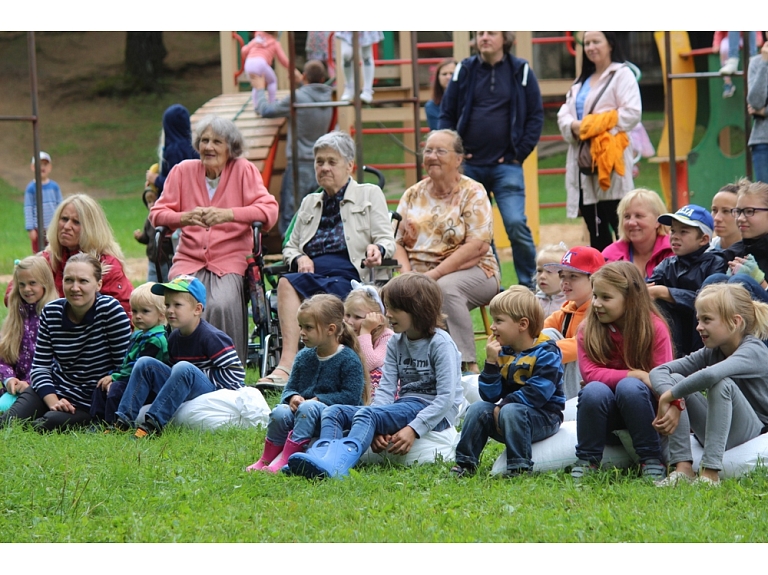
(610, 77)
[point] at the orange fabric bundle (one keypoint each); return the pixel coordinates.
(607, 150)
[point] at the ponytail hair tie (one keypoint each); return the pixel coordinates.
(16, 262)
(371, 291)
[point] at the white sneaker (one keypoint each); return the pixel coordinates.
(366, 96)
(730, 67)
(347, 95)
(702, 480)
(673, 479)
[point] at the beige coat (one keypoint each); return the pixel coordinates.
(365, 218)
(623, 94)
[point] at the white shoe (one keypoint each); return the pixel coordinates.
(366, 96)
(703, 480)
(730, 67)
(674, 479)
(347, 95)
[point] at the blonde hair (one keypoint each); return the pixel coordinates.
(759, 189)
(13, 326)
(552, 251)
(328, 310)
(647, 198)
(639, 309)
(728, 300)
(96, 237)
(365, 300)
(143, 296)
(518, 302)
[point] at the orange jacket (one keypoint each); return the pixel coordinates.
(557, 320)
(607, 149)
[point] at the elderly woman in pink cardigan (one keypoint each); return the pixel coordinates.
(215, 199)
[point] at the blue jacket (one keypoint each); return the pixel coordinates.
(337, 380)
(177, 145)
(527, 114)
(533, 377)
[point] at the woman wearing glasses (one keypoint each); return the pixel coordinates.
(446, 234)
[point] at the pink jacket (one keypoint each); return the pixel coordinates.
(618, 251)
(264, 46)
(616, 370)
(221, 249)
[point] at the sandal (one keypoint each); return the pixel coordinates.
(274, 381)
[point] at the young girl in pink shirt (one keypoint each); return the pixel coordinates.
(258, 55)
(622, 339)
(364, 313)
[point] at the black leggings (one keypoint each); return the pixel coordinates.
(600, 218)
(29, 406)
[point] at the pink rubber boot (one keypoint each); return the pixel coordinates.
(270, 452)
(289, 449)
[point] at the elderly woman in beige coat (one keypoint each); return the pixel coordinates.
(603, 67)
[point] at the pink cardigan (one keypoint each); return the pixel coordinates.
(618, 251)
(221, 249)
(616, 370)
(264, 46)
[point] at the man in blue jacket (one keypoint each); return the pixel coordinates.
(494, 103)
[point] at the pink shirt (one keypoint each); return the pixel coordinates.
(264, 46)
(222, 248)
(618, 251)
(615, 370)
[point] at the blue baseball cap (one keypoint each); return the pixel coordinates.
(691, 215)
(183, 283)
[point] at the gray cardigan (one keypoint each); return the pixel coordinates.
(706, 367)
(757, 97)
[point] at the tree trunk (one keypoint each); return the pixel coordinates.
(144, 55)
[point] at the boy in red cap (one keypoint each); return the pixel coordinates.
(574, 270)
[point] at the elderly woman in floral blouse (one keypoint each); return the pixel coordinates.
(446, 234)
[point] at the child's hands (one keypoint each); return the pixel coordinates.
(659, 292)
(15, 386)
(492, 349)
(371, 322)
(667, 418)
(295, 401)
(136, 234)
(749, 267)
(402, 441)
(105, 382)
(380, 442)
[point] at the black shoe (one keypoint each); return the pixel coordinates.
(460, 472)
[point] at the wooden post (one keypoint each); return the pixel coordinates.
(229, 57)
(410, 141)
(283, 81)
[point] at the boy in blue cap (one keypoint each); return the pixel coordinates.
(676, 280)
(210, 361)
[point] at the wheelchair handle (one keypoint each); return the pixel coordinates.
(377, 173)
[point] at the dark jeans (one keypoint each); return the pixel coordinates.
(601, 411)
(520, 426)
(29, 406)
(600, 218)
(104, 404)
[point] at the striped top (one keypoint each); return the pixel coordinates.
(71, 358)
(211, 351)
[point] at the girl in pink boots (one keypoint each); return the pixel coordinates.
(328, 371)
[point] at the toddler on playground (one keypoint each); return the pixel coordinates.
(51, 199)
(364, 313)
(521, 387)
(203, 359)
(425, 360)
(148, 340)
(574, 271)
(328, 371)
(730, 369)
(33, 287)
(548, 290)
(258, 55)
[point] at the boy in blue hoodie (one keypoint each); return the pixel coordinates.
(521, 386)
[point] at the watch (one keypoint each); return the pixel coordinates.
(678, 403)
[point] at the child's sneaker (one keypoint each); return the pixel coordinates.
(728, 90)
(146, 429)
(731, 67)
(121, 425)
(674, 479)
(583, 468)
(653, 469)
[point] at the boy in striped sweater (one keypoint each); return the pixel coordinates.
(204, 359)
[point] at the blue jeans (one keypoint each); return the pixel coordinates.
(601, 411)
(756, 292)
(173, 387)
(733, 44)
(520, 426)
(507, 183)
(305, 423)
(365, 422)
(760, 162)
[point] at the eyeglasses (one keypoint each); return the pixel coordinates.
(439, 152)
(748, 212)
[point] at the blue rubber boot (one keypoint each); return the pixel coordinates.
(342, 456)
(311, 464)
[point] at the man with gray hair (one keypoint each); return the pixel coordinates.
(494, 103)
(311, 123)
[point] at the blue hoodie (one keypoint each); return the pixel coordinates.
(178, 141)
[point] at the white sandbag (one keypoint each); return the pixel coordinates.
(559, 451)
(738, 460)
(424, 450)
(243, 408)
(569, 413)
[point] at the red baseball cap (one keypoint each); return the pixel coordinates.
(580, 259)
